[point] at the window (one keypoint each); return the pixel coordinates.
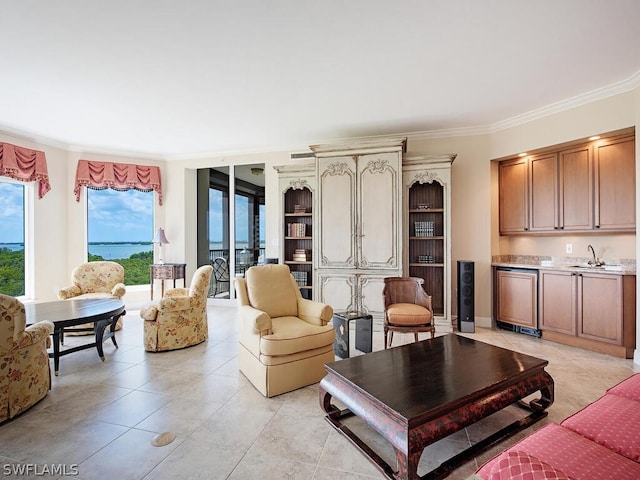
(218, 232)
(120, 229)
(12, 219)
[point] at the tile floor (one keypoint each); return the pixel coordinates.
(99, 419)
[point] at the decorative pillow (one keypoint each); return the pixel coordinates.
(518, 465)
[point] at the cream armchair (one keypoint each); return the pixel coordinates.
(25, 377)
(101, 279)
(284, 339)
(179, 319)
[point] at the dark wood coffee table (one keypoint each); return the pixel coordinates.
(417, 394)
(103, 312)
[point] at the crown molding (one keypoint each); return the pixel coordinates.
(579, 100)
(594, 95)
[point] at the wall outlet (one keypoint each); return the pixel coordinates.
(569, 248)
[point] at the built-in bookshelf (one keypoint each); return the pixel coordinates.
(426, 239)
(298, 237)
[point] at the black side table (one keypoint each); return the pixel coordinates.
(364, 328)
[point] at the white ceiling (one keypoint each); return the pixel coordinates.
(187, 78)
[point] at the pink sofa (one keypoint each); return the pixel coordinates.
(601, 441)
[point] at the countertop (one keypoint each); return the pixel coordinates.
(572, 267)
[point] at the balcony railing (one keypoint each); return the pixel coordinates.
(244, 258)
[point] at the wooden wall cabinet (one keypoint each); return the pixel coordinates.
(589, 310)
(514, 196)
(427, 229)
(615, 186)
(358, 240)
(542, 181)
(575, 189)
(583, 188)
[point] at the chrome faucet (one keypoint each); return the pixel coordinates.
(595, 262)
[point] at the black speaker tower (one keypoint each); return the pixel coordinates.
(466, 298)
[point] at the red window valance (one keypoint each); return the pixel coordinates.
(118, 176)
(25, 165)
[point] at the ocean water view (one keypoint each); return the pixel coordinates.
(115, 251)
(12, 246)
(108, 251)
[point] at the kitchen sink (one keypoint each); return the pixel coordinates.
(586, 266)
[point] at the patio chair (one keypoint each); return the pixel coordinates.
(222, 281)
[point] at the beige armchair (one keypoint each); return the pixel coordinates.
(284, 339)
(179, 319)
(101, 279)
(25, 377)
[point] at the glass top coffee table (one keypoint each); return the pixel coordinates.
(417, 394)
(103, 312)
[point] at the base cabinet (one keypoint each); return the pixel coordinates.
(589, 310)
(558, 302)
(517, 297)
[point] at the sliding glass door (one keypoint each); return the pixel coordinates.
(231, 247)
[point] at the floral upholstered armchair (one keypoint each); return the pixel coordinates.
(95, 280)
(179, 319)
(25, 377)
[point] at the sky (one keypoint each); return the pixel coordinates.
(11, 212)
(120, 216)
(117, 216)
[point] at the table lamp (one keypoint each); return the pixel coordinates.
(160, 238)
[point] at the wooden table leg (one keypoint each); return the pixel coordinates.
(408, 464)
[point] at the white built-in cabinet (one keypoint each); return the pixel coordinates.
(427, 229)
(364, 202)
(358, 237)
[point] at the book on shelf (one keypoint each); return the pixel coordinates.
(296, 229)
(424, 229)
(301, 255)
(300, 278)
(299, 208)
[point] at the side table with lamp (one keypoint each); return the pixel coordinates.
(165, 271)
